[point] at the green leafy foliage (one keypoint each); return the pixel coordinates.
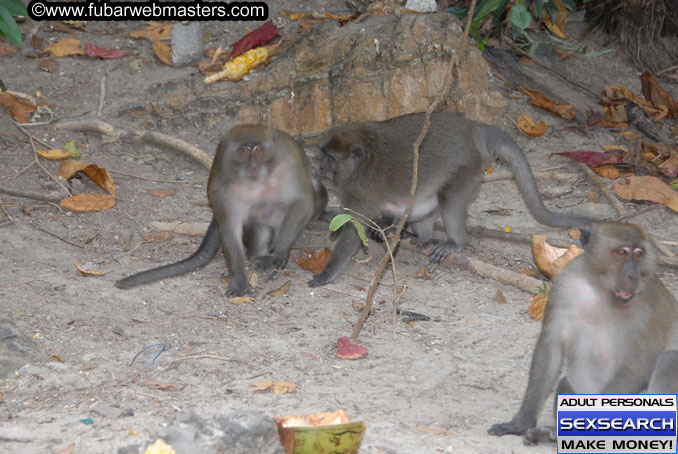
(521, 15)
(8, 26)
(339, 220)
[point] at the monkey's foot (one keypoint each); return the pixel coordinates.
(238, 287)
(443, 249)
(507, 428)
(320, 279)
(536, 435)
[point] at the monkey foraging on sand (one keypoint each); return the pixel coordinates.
(262, 196)
(370, 165)
(609, 321)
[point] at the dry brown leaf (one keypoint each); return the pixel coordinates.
(432, 431)
(623, 148)
(17, 108)
(647, 188)
(316, 262)
(526, 61)
(162, 192)
(657, 95)
(500, 298)
(87, 272)
(54, 154)
(70, 449)
(561, 53)
(240, 300)
(7, 48)
(538, 99)
(153, 31)
(88, 202)
(58, 358)
(607, 172)
(164, 386)
(538, 305)
(422, 273)
(163, 52)
(529, 127)
(98, 175)
(66, 47)
(278, 387)
(49, 65)
(158, 237)
(615, 117)
(282, 290)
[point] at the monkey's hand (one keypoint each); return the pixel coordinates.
(266, 262)
(443, 249)
(508, 428)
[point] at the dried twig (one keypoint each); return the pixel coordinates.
(102, 95)
(606, 192)
(29, 194)
(523, 282)
(220, 358)
(139, 137)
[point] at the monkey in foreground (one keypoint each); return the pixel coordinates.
(370, 165)
(262, 196)
(610, 321)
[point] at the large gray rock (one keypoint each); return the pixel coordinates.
(374, 69)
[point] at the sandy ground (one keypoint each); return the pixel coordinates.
(425, 387)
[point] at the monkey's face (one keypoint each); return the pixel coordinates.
(619, 256)
(252, 159)
(340, 160)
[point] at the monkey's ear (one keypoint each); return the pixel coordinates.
(585, 236)
(357, 151)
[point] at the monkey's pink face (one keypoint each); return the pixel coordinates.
(253, 160)
(627, 262)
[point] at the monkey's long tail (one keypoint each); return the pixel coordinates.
(510, 153)
(206, 251)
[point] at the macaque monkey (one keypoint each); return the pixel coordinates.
(370, 165)
(610, 321)
(262, 196)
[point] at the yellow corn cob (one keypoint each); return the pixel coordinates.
(235, 69)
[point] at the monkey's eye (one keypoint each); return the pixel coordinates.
(257, 149)
(622, 251)
(638, 252)
(245, 149)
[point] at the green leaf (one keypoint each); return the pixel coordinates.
(8, 26)
(485, 7)
(15, 7)
(538, 6)
(459, 11)
(520, 16)
(338, 221)
(569, 4)
(361, 231)
(543, 288)
(72, 149)
(551, 10)
(532, 50)
(674, 184)
(599, 53)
